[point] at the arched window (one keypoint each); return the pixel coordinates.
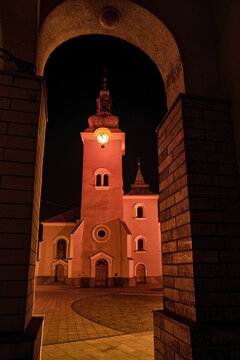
(105, 180)
(139, 212)
(98, 180)
(140, 245)
(101, 179)
(61, 249)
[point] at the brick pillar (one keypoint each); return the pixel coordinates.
(200, 224)
(22, 134)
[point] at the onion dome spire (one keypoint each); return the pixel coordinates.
(103, 116)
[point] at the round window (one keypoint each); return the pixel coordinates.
(101, 233)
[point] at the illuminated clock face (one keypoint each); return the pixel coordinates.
(102, 138)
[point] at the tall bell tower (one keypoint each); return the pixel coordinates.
(101, 247)
(103, 148)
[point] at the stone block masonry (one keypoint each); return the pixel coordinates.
(22, 135)
(200, 225)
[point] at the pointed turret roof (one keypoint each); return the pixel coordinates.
(104, 117)
(139, 178)
(139, 187)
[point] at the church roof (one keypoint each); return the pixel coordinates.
(128, 232)
(77, 226)
(67, 216)
(139, 187)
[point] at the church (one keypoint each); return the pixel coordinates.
(195, 47)
(113, 239)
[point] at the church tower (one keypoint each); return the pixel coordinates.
(102, 236)
(103, 148)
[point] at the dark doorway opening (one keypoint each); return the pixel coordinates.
(140, 273)
(59, 273)
(101, 273)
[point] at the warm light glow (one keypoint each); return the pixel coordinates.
(102, 138)
(103, 135)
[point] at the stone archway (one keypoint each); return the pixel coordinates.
(72, 19)
(66, 21)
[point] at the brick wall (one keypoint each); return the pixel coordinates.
(199, 214)
(21, 151)
(177, 256)
(37, 199)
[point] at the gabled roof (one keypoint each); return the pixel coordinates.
(67, 216)
(77, 227)
(125, 227)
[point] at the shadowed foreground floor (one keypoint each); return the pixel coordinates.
(108, 314)
(126, 313)
(121, 347)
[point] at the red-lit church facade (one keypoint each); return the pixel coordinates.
(113, 239)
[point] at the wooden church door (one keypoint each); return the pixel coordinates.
(141, 274)
(101, 274)
(59, 274)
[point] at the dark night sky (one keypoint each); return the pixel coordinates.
(74, 74)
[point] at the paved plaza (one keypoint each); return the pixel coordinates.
(109, 323)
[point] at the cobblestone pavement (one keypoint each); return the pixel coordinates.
(122, 347)
(67, 335)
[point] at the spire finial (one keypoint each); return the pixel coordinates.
(105, 70)
(139, 161)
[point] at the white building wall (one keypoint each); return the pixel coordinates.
(146, 228)
(52, 232)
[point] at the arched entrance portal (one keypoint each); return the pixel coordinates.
(140, 274)
(59, 273)
(101, 273)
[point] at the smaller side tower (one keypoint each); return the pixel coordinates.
(140, 212)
